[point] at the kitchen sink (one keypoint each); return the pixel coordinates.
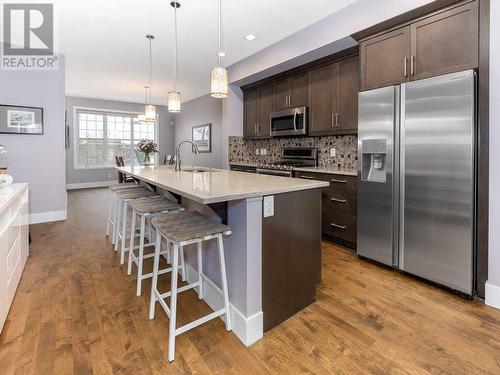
(199, 170)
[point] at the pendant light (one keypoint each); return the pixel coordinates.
(218, 75)
(174, 96)
(144, 118)
(149, 109)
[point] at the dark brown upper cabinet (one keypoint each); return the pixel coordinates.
(444, 42)
(347, 95)
(291, 92)
(384, 60)
(333, 105)
(258, 105)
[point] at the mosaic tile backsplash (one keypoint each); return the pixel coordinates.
(244, 151)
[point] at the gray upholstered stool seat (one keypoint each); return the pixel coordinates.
(127, 195)
(153, 205)
(179, 230)
(126, 185)
(187, 225)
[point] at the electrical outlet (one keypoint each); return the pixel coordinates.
(263, 151)
(333, 152)
(269, 206)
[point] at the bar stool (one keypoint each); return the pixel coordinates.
(181, 229)
(124, 197)
(146, 209)
(112, 205)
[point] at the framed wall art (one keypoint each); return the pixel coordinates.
(21, 120)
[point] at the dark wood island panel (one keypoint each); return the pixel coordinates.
(291, 255)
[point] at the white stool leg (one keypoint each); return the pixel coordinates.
(154, 281)
(200, 271)
(124, 231)
(115, 216)
(183, 264)
(169, 249)
(222, 264)
(173, 304)
(131, 248)
(110, 205)
(141, 255)
(117, 223)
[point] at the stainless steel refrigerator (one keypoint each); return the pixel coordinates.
(416, 178)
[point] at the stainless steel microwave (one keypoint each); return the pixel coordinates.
(291, 121)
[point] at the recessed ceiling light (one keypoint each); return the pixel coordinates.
(250, 37)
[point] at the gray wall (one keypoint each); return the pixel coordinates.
(38, 159)
(165, 132)
(202, 110)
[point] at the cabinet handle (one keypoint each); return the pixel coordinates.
(289, 100)
(307, 177)
(338, 226)
(338, 200)
(412, 65)
(337, 120)
(405, 67)
(255, 129)
(338, 181)
(332, 120)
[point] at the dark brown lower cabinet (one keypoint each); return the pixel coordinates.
(339, 207)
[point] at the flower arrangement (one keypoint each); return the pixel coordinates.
(147, 147)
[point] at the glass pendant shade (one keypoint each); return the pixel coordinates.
(218, 82)
(150, 112)
(174, 101)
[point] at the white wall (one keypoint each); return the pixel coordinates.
(78, 176)
(39, 160)
(199, 111)
(493, 284)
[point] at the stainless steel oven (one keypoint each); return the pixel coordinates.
(288, 122)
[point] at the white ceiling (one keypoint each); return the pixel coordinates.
(106, 49)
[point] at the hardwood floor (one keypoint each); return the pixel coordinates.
(76, 312)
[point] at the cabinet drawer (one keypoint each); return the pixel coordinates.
(335, 201)
(339, 225)
(347, 185)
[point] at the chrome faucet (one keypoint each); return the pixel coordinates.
(178, 154)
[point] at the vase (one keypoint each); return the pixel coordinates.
(147, 159)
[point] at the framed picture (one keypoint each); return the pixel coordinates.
(202, 137)
(21, 120)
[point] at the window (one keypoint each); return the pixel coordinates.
(102, 135)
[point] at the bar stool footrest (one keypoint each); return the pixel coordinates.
(200, 321)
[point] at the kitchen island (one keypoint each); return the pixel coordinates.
(273, 256)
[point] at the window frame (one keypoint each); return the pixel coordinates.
(104, 112)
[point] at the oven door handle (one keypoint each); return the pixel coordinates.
(274, 172)
(295, 121)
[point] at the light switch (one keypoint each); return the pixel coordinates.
(269, 206)
(333, 152)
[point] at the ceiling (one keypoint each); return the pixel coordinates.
(106, 49)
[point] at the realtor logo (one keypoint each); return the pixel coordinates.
(28, 37)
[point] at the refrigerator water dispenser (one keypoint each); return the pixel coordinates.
(373, 160)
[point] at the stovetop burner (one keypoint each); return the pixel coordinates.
(293, 157)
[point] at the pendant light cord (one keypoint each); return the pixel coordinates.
(175, 47)
(219, 53)
(150, 69)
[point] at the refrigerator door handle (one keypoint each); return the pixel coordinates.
(400, 187)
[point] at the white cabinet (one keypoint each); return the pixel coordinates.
(14, 242)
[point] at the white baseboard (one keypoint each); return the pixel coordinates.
(46, 217)
(87, 185)
(248, 330)
(492, 295)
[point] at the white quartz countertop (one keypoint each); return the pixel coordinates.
(218, 185)
(9, 193)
